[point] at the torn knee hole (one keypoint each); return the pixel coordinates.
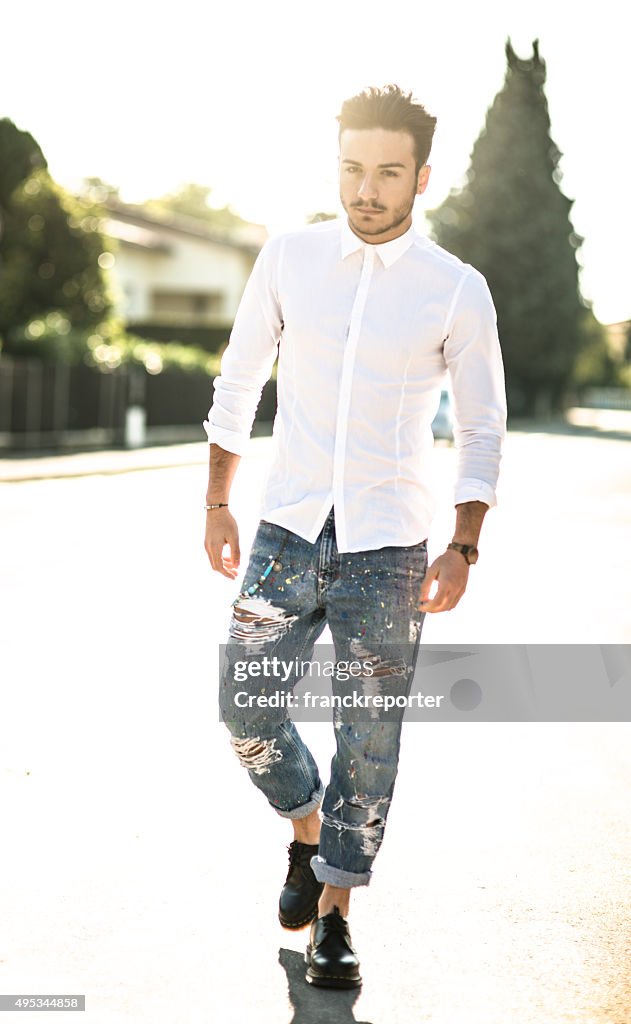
(375, 665)
(257, 619)
(255, 754)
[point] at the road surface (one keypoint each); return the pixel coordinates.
(139, 866)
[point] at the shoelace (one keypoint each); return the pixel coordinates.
(336, 923)
(298, 854)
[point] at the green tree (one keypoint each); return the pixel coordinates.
(597, 365)
(52, 285)
(19, 157)
(512, 221)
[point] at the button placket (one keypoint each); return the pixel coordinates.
(352, 338)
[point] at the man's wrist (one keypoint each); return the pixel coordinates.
(468, 551)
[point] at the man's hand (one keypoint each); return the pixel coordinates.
(222, 529)
(452, 573)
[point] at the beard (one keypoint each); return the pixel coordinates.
(393, 218)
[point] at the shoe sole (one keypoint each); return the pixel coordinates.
(294, 926)
(323, 981)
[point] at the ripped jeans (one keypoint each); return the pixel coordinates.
(369, 599)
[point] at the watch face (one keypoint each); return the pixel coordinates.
(472, 556)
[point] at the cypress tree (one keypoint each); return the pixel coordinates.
(512, 221)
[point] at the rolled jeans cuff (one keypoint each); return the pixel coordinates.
(337, 876)
(304, 809)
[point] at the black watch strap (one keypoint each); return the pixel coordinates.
(468, 551)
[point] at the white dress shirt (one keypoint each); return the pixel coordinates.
(367, 333)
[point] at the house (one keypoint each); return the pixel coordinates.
(174, 278)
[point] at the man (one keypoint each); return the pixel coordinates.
(367, 316)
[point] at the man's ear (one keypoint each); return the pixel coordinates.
(423, 178)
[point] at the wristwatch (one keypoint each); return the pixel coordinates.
(468, 551)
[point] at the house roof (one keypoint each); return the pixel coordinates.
(133, 225)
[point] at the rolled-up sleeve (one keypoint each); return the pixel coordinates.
(474, 359)
(249, 357)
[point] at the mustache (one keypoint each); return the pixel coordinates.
(367, 206)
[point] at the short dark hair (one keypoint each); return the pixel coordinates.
(394, 110)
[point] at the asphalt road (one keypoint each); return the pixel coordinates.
(138, 865)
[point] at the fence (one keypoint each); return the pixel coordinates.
(53, 405)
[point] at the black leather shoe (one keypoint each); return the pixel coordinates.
(330, 957)
(298, 903)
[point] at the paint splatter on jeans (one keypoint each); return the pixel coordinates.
(292, 589)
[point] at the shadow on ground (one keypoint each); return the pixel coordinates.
(315, 1005)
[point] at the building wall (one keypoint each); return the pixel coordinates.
(169, 277)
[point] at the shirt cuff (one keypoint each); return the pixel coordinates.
(226, 439)
(469, 489)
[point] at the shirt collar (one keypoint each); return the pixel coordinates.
(389, 252)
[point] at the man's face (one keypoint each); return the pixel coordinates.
(379, 182)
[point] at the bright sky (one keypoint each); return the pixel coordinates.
(243, 95)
